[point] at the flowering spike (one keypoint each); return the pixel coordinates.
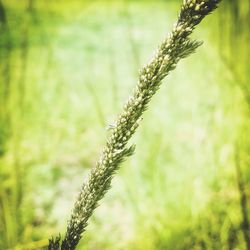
(175, 47)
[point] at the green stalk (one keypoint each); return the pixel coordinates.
(176, 46)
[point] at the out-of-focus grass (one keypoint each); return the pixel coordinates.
(81, 65)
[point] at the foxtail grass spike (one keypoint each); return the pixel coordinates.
(176, 46)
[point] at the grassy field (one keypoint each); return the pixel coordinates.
(68, 70)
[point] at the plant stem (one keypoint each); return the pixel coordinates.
(245, 226)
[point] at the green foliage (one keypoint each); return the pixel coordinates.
(180, 190)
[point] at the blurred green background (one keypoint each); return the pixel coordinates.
(67, 68)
